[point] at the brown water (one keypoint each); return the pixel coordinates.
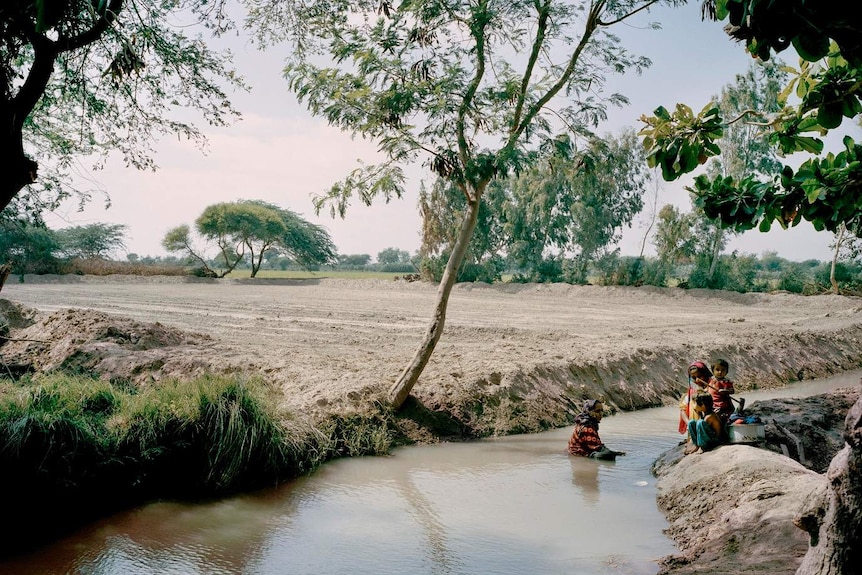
(513, 505)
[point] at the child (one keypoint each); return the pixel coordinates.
(706, 432)
(698, 379)
(721, 389)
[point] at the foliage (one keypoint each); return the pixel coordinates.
(81, 78)
(569, 202)
(253, 229)
(848, 274)
(824, 191)
(734, 273)
(28, 245)
(489, 270)
(92, 241)
(353, 261)
(630, 271)
(675, 237)
(807, 26)
(393, 256)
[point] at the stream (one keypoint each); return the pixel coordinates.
(509, 505)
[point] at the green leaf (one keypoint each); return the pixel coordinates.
(829, 116)
(811, 46)
(662, 113)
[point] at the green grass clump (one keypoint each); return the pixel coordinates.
(73, 447)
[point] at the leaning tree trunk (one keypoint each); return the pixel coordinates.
(838, 241)
(836, 539)
(18, 170)
(401, 388)
(716, 250)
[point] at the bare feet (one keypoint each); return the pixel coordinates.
(690, 449)
(699, 451)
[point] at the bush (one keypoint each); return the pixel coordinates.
(793, 279)
(732, 273)
(98, 267)
(630, 271)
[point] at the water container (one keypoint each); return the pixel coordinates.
(746, 432)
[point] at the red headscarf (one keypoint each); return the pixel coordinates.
(705, 373)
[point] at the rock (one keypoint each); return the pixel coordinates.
(731, 510)
(741, 508)
(835, 526)
(809, 429)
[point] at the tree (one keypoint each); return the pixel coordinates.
(393, 256)
(570, 204)
(240, 229)
(253, 228)
(92, 241)
(354, 260)
(744, 148)
(28, 246)
(828, 83)
(846, 246)
(82, 77)
(675, 238)
(470, 88)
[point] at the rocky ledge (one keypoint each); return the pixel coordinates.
(770, 509)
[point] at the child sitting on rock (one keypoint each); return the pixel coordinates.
(721, 389)
(707, 431)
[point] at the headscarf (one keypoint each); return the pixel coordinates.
(701, 367)
(584, 417)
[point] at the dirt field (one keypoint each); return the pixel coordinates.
(512, 358)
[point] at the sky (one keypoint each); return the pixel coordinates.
(280, 153)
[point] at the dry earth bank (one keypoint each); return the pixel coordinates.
(513, 358)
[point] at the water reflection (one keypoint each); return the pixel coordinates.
(585, 476)
(507, 505)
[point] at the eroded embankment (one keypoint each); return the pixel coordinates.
(548, 396)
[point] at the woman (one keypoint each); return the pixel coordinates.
(698, 379)
(585, 437)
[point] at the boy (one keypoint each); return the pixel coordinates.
(706, 432)
(721, 389)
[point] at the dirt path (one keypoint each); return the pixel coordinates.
(512, 357)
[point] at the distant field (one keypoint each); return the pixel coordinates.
(300, 275)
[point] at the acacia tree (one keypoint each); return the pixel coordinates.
(468, 87)
(89, 77)
(253, 228)
(92, 241)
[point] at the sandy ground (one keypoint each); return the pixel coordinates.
(512, 357)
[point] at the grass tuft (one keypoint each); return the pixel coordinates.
(77, 447)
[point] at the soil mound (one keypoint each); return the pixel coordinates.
(96, 343)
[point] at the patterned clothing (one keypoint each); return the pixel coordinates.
(585, 437)
(702, 434)
(721, 390)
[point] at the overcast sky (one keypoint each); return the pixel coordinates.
(279, 153)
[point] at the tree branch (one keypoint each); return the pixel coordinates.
(538, 42)
(112, 12)
(477, 28)
(632, 13)
(589, 28)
